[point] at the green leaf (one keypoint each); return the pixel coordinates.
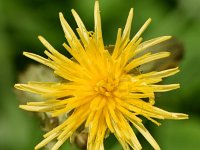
(179, 135)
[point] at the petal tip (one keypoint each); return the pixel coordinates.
(131, 11)
(169, 36)
(26, 54)
(40, 37)
(73, 11)
(17, 85)
(61, 16)
(22, 107)
(149, 20)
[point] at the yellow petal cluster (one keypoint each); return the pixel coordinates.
(102, 91)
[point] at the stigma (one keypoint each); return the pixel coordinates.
(107, 87)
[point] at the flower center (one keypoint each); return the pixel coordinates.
(106, 87)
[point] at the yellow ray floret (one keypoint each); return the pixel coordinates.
(102, 90)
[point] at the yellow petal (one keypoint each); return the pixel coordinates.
(97, 26)
(142, 29)
(146, 134)
(143, 46)
(127, 29)
(147, 58)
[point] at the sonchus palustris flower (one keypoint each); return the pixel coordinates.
(103, 91)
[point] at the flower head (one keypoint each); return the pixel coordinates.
(103, 92)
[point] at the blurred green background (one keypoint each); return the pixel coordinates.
(21, 21)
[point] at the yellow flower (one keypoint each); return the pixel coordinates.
(102, 91)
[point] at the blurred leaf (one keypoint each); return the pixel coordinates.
(179, 135)
(111, 143)
(190, 8)
(17, 127)
(67, 145)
